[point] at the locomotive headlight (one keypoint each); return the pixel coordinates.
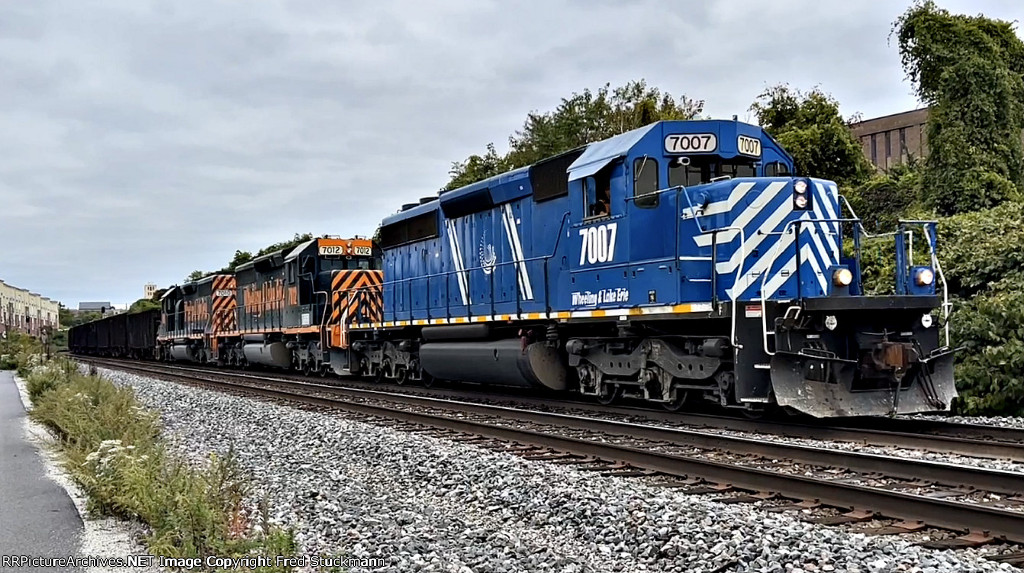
(831, 322)
(800, 187)
(842, 277)
(801, 201)
(926, 320)
(924, 277)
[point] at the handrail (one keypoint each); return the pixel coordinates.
(446, 275)
(947, 307)
(734, 293)
(771, 262)
(774, 255)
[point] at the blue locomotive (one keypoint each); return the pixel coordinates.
(677, 262)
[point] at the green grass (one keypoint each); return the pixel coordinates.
(113, 448)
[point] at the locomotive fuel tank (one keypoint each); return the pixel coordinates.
(181, 352)
(501, 362)
(258, 350)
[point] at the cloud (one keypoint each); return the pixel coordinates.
(145, 139)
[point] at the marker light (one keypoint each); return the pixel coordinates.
(831, 322)
(926, 320)
(842, 277)
(924, 277)
(801, 201)
(800, 186)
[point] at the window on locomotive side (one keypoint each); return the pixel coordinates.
(697, 172)
(645, 182)
(597, 194)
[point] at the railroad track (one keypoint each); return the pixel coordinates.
(978, 502)
(970, 440)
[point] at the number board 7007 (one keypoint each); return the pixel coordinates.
(691, 143)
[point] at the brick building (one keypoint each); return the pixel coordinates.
(25, 311)
(891, 139)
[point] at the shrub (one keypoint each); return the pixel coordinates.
(982, 248)
(990, 372)
(112, 446)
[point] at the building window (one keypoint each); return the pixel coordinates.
(903, 142)
(888, 145)
(874, 149)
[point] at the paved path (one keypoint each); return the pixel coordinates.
(36, 515)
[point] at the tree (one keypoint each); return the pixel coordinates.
(142, 305)
(477, 168)
(580, 119)
(242, 257)
(810, 128)
(295, 241)
(69, 318)
(968, 69)
(887, 196)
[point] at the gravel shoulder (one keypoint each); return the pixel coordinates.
(422, 504)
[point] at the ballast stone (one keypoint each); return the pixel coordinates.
(423, 504)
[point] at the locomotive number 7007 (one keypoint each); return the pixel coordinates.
(598, 244)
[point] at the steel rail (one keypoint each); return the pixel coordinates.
(936, 512)
(977, 441)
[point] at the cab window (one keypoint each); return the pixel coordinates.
(597, 194)
(645, 182)
(736, 169)
(776, 169)
(696, 172)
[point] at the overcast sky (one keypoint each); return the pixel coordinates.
(142, 139)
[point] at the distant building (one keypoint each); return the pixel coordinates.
(94, 306)
(892, 139)
(149, 290)
(25, 311)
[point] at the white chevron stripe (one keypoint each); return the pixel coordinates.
(825, 257)
(763, 262)
(512, 249)
(832, 228)
(737, 193)
(788, 270)
(833, 194)
(518, 254)
(748, 214)
(757, 237)
(460, 268)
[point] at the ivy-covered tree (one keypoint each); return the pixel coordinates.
(142, 305)
(968, 69)
(579, 119)
(810, 127)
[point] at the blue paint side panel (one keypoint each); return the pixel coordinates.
(515, 255)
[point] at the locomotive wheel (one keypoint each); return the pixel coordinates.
(325, 369)
(385, 370)
(678, 403)
(401, 376)
(428, 380)
(610, 394)
(306, 371)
